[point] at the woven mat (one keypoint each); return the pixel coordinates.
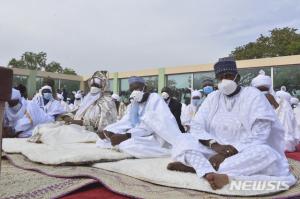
(20, 183)
(129, 186)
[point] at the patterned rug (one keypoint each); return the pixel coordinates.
(129, 186)
(20, 183)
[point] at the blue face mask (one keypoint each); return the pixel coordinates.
(196, 102)
(47, 96)
(208, 89)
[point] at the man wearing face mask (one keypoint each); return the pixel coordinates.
(147, 129)
(20, 118)
(234, 135)
(51, 106)
(96, 110)
(190, 111)
(282, 108)
(207, 86)
(77, 101)
(174, 105)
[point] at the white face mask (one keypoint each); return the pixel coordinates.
(265, 92)
(16, 107)
(95, 90)
(137, 95)
(227, 87)
(165, 95)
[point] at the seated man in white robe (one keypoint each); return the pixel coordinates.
(51, 106)
(64, 104)
(190, 111)
(282, 108)
(77, 101)
(22, 116)
(234, 135)
(96, 110)
(148, 127)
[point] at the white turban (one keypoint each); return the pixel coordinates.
(116, 97)
(16, 95)
(294, 101)
(196, 94)
(46, 87)
(262, 80)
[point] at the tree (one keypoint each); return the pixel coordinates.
(280, 42)
(38, 61)
(30, 60)
(54, 67)
(69, 71)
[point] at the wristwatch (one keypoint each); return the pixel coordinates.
(211, 142)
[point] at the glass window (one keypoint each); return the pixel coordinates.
(39, 82)
(181, 85)
(19, 79)
(68, 86)
(199, 77)
(152, 83)
(288, 76)
(248, 74)
(111, 89)
(124, 89)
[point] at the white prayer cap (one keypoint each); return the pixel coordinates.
(46, 87)
(283, 88)
(60, 96)
(16, 95)
(294, 101)
(262, 80)
(196, 94)
(116, 97)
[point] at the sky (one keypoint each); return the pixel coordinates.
(125, 35)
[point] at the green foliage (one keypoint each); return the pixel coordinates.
(38, 61)
(69, 71)
(54, 67)
(280, 42)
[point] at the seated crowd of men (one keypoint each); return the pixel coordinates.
(225, 132)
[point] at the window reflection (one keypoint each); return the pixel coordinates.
(181, 85)
(19, 79)
(288, 76)
(248, 74)
(199, 77)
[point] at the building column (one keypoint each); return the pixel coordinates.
(116, 88)
(161, 79)
(31, 83)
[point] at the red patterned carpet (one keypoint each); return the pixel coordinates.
(94, 191)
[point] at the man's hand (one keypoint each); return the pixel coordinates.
(116, 139)
(216, 160)
(67, 119)
(225, 150)
(101, 135)
(8, 132)
(108, 134)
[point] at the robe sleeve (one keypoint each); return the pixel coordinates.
(23, 124)
(199, 125)
(158, 119)
(108, 114)
(121, 126)
(186, 116)
(259, 135)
